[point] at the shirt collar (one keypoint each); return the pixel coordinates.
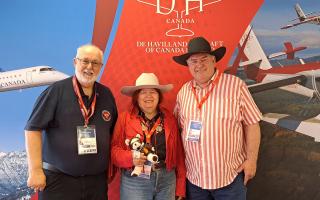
(82, 92)
(195, 84)
(140, 113)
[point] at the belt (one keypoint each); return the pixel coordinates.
(158, 166)
(50, 167)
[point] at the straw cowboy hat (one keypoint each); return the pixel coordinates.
(145, 80)
(199, 45)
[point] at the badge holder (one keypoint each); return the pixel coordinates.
(194, 131)
(87, 140)
(146, 171)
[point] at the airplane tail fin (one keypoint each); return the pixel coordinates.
(241, 55)
(289, 49)
(300, 12)
(253, 51)
(255, 58)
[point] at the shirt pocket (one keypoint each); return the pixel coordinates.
(229, 109)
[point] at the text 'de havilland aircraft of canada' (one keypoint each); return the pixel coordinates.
(309, 18)
(297, 78)
(29, 77)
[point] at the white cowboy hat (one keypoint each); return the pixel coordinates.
(145, 80)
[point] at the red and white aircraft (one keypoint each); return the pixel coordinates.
(302, 76)
(303, 18)
(257, 67)
(29, 77)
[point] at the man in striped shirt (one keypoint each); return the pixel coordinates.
(220, 127)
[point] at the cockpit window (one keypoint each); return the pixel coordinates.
(46, 69)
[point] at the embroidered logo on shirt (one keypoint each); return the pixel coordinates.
(106, 115)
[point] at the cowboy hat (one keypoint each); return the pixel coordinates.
(199, 45)
(145, 80)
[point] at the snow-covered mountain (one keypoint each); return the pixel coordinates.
(13, 176)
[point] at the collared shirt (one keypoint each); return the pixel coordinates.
(57, 113)
(213, 160)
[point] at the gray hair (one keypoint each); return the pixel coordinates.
(85, 47)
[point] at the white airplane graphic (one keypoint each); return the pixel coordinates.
(303, 18)
(29, 77)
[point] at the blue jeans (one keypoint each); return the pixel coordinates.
(160, 186)
(234, 191)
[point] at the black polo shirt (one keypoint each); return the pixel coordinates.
(57, 113)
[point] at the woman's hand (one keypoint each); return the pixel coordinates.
(138, 158)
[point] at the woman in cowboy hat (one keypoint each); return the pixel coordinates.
(156, 127)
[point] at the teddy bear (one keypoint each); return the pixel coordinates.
(138, 147)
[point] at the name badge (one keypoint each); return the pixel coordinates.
(194, 130)
(87, 140)
(146, 170)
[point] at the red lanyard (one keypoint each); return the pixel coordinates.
(147, 133)
(214, 82)
(87, 114)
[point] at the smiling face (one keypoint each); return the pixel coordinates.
(201, 67)
(148, 100)
(88, 63)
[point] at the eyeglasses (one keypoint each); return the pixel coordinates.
(86, 62)
(193, 62)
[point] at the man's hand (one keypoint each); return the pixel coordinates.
(179, 198)
(37, 180)
(249, 168)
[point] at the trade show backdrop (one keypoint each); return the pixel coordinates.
(141, 36)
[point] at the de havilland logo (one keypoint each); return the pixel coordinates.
(182, 18)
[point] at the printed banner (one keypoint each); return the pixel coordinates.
(150, 32)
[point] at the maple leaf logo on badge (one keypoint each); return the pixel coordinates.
(106, 115)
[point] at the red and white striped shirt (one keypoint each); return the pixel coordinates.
(213, 160)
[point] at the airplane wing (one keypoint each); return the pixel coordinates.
(274, 55)
(296, 24)
(290, 83)
(280, 82)
(308, 127)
